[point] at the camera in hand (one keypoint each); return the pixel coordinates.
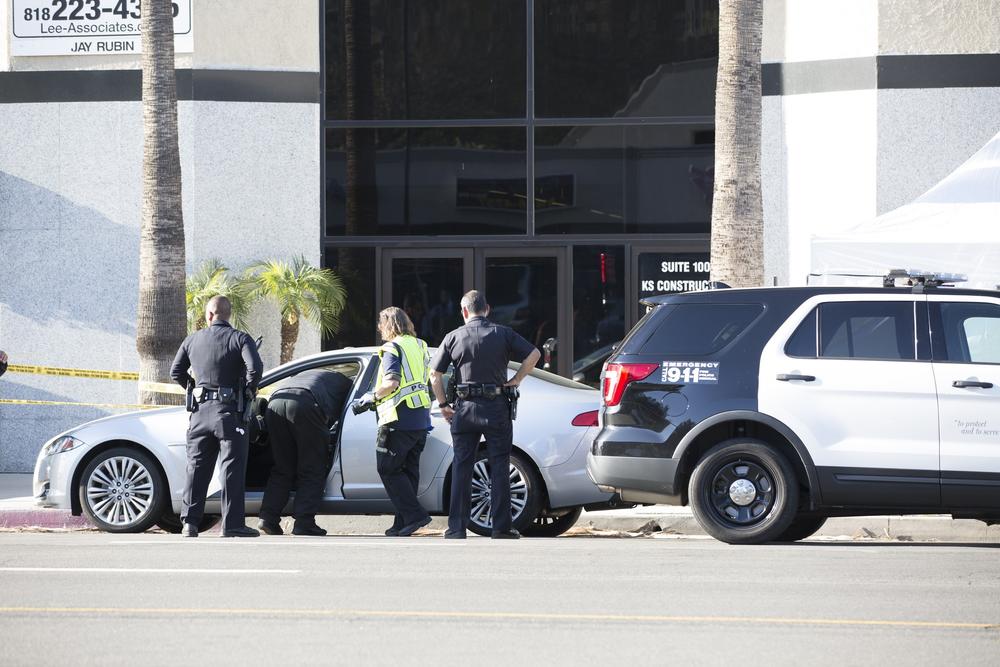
(363, 404)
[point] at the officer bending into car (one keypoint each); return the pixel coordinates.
(226, 369)
(299, 415)
(485, 405)
(403, 404)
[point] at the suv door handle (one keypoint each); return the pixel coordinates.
(962, 384)
(788, 377)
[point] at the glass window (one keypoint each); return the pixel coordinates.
(426, 59)
(616, 179)
(672, 272)
(521, 292)
(356, 267)
(429, 290)
(603, 58)
(697, 329)
(598, 308)
(867, 330)
(802, 343)
(441, 180)
(968, 333)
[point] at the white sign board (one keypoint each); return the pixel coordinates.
(88, 27)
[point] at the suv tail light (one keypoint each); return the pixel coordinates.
(618, 376)
(586, 419)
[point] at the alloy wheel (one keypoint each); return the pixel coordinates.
(481, 502)
(120, 491)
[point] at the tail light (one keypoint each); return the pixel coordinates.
(618, 376)
(586, 419)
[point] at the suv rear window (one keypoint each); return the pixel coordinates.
(695, 328)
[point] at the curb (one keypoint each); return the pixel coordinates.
(899, 528)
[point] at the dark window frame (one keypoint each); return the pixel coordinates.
(819, 330)
(938, 333)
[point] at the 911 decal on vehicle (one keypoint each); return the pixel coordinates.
(690, 372)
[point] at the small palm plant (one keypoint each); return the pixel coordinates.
(212, 279)
(300, 291)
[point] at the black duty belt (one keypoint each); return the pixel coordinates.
(224, 394)
(465, 390)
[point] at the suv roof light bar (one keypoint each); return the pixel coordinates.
(918, 278)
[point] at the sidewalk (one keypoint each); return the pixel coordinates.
(18, 510)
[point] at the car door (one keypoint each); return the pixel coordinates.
(358, 467)
(843, 373)
(966, 336)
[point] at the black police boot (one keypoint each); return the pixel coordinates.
(307, 528)
(189, 530)
(454, 535)
(242, 531)
(270, 527)
(408, 530)
(506, 535)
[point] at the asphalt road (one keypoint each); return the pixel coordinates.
(96, 599)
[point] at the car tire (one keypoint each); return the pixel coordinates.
(801, 528)
(744, 492)
(171, 523)
(526, 493)
(123, 491)
(553, 526)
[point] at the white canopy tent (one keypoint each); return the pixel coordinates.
(954, 227)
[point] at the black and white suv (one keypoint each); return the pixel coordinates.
(771, 409)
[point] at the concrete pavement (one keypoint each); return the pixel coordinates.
(17, 510)
(97, 599)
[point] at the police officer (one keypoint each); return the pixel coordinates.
(299, 415)
(403, 405)
(225, 365)
(480, 351)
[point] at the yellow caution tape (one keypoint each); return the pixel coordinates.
(126, 406)
(162, 388)
(73, 372)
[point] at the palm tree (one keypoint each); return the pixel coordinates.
(737, 211)
(300, 290)
(161, 321)
(212, 279)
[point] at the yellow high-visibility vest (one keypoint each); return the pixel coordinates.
(412, 388)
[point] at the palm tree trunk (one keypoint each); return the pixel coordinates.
(289, 336)
(737, 210)
(162, 317)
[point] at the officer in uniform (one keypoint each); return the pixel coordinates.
(480, 351)
(226, 369)
(403, 404)
(299, 415)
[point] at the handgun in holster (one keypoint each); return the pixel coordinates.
(451, 393)
(190, 401)
(245, 403)
(512, 394)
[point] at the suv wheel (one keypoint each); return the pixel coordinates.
(744, 492)
(801, 528)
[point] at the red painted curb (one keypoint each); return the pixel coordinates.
(40, 518)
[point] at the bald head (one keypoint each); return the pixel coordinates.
(218, 308)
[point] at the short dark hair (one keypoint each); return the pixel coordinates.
(474, 301)
(221, 306)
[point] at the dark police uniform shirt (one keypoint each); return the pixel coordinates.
(408, 419)
(480, 351)
(328, 388)
(220, 356)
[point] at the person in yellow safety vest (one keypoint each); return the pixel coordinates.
(403, 406)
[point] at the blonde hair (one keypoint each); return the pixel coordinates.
(394, 322)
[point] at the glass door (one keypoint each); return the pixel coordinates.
(428, 285)
(527, 290)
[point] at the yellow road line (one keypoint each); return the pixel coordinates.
(73, 372)
(124, 406)
(499, 615)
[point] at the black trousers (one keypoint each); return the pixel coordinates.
(299, 438)
(216, 429)
(400, 473)
(475, 419)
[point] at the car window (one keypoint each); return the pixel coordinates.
(867, 330)
(966, 333)
(347, 368)
(699, 328)
(802, 343)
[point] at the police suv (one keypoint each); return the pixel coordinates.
(771, 409)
